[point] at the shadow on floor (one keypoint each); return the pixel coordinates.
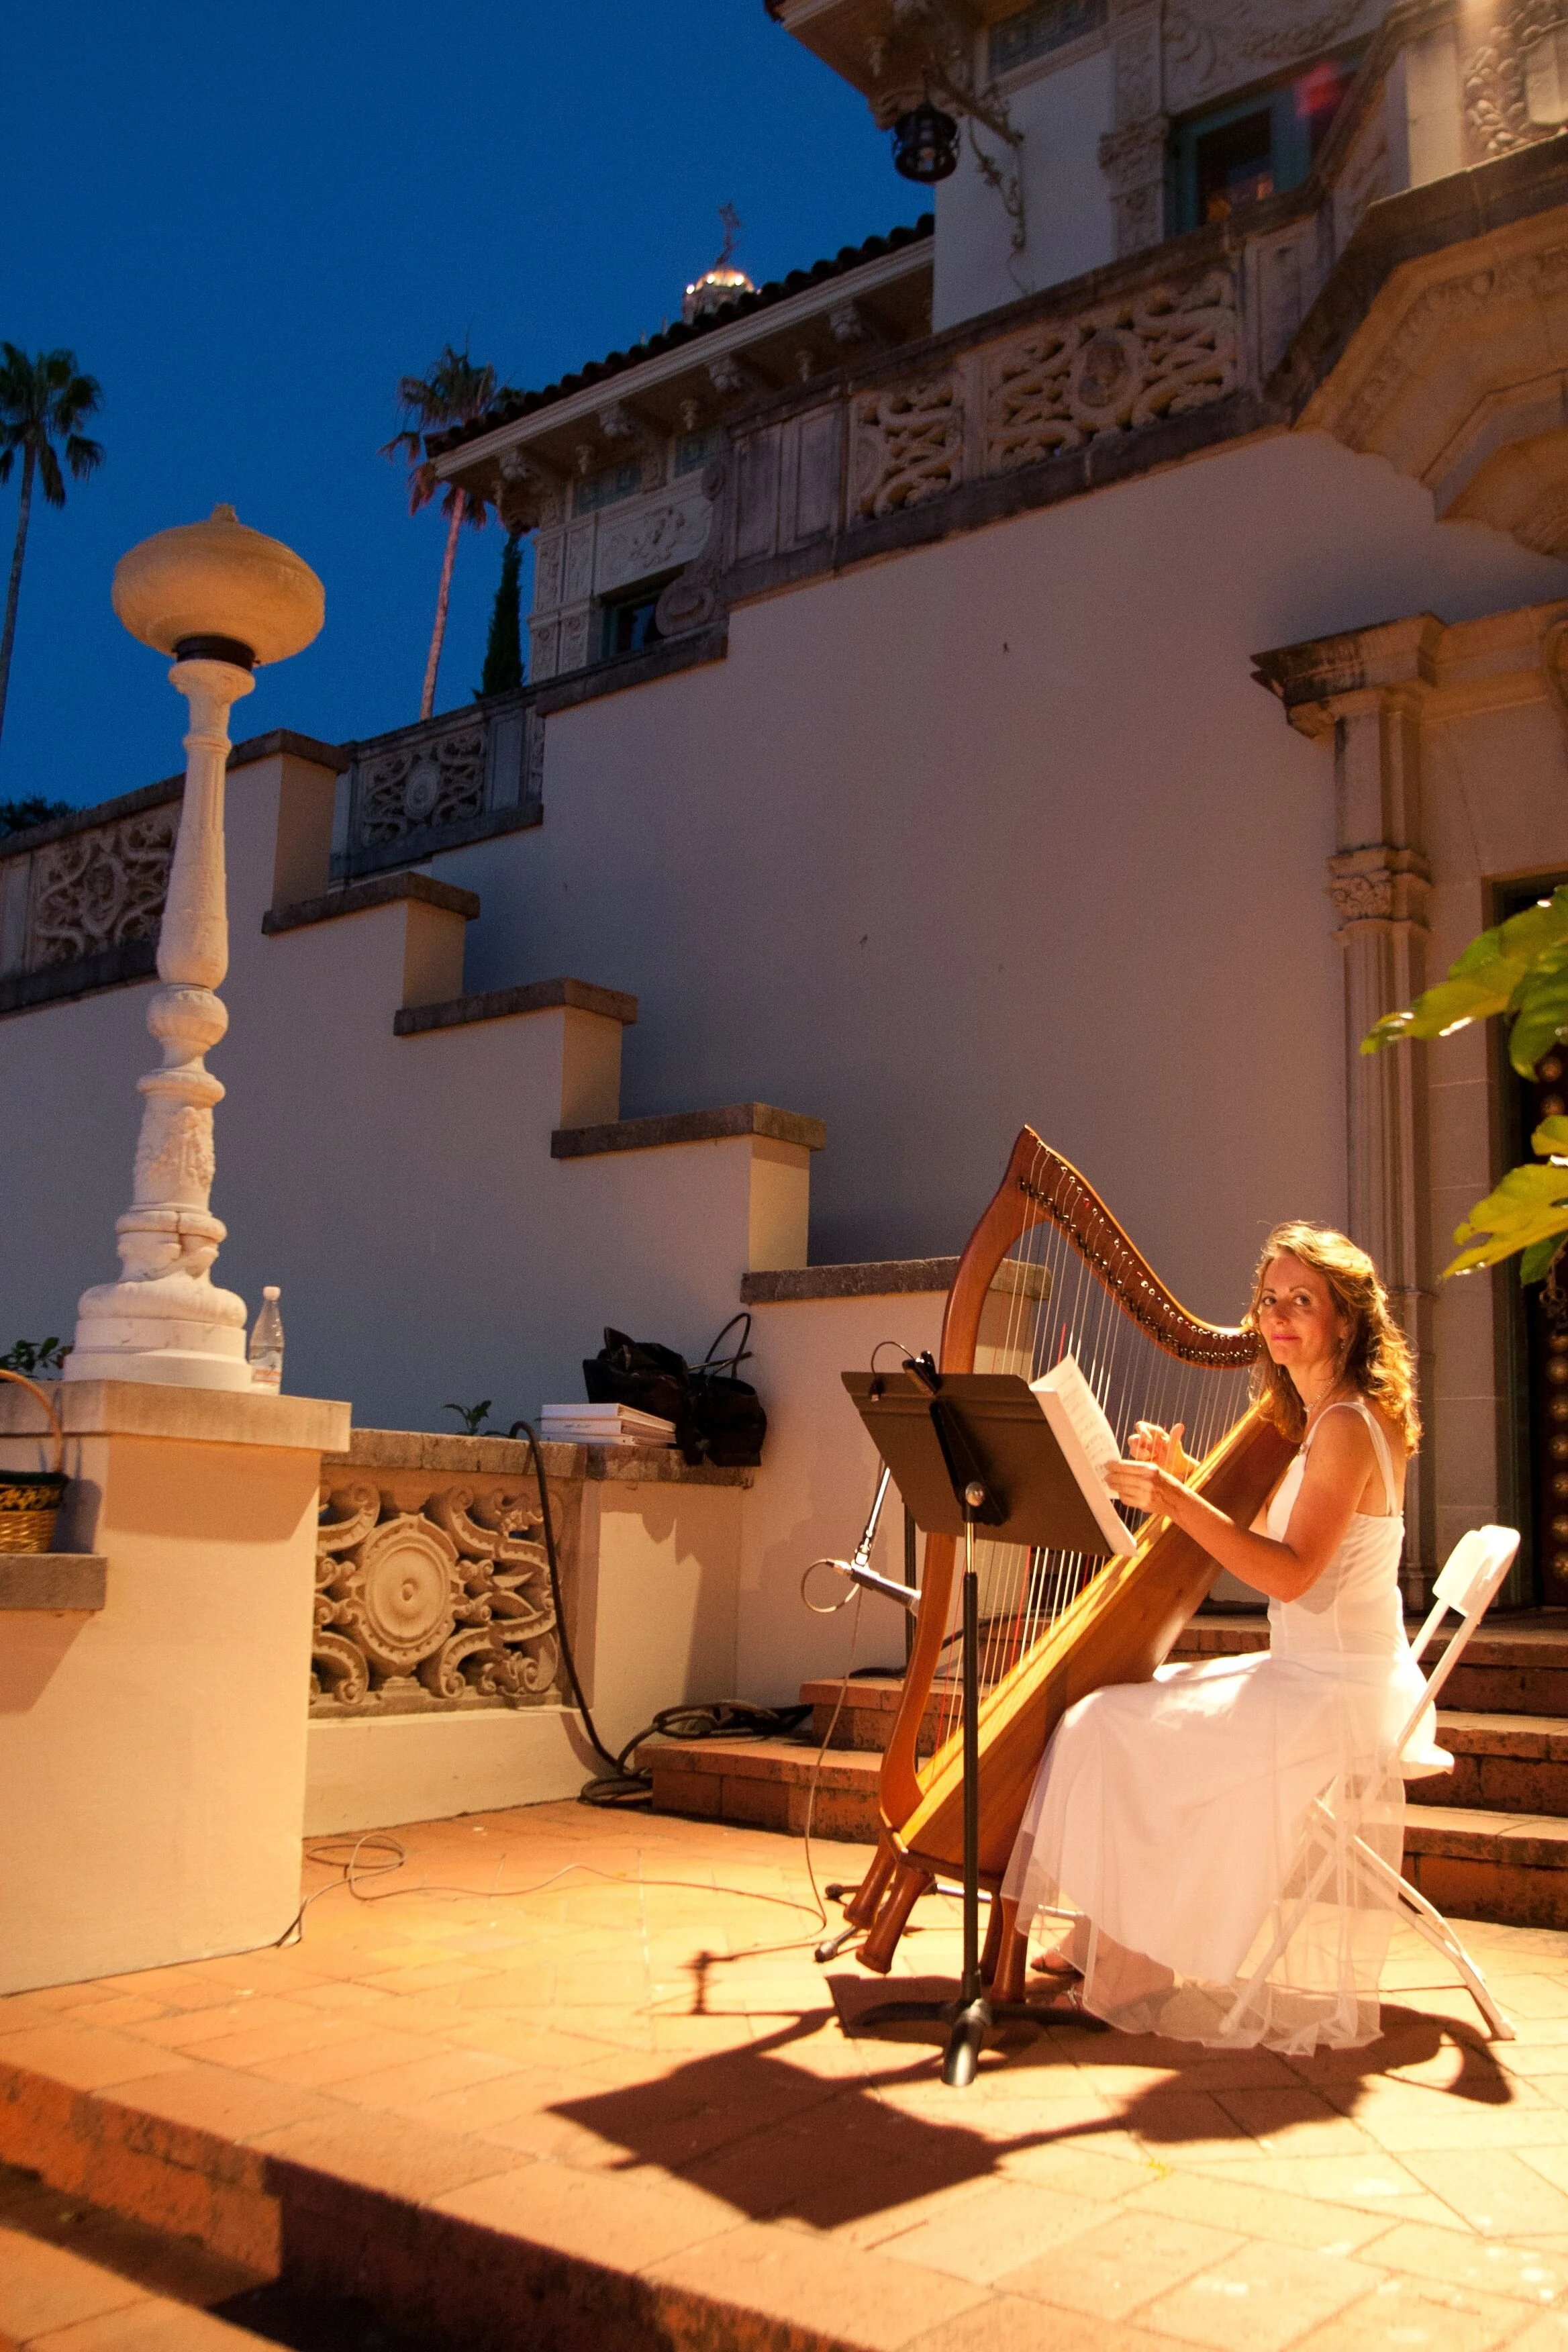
(762, 2128)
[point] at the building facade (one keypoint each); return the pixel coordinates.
(1078, 661)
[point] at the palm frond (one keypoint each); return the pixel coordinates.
(50, 476)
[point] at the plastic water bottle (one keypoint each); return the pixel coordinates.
(266, 1350)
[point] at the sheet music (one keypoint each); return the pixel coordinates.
(1086, 1440)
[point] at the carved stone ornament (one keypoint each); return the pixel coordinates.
(1162, 351)
(98, 889)
(1219, 45)
(692, 599)
(434, 782)
(908, 444)
(1379, 885)
(1435, 386)
(532, 496)
(443, 1606)
(634, 546)
(1497, 112)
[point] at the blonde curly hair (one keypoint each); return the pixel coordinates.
(1375, 1355)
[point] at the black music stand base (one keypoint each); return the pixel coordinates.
(972, 2024)
(972, 2017)
(935, 1454)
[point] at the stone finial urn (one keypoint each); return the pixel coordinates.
(220, 590)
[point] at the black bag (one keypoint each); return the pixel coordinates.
(718, 1417)
(729, 1412)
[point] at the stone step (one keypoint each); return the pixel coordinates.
(1508, 1867)
(767, 1784)
(861, 1713)
(1475, 1864)
(1502, 1763)
(1514, 1665)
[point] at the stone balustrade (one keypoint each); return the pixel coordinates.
(447, 781)
(81, 897)
(433, 1591)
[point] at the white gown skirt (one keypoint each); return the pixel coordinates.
(1177, 1818)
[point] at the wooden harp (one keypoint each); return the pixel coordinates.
(1048, 1270)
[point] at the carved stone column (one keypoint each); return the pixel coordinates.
(1379, 885)
(219, 598)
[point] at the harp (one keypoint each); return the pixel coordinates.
(1047, 1270)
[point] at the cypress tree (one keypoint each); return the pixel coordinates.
(503, 648)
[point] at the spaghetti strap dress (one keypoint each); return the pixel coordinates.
(1208, 1821)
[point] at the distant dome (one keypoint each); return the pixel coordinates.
(723, 283)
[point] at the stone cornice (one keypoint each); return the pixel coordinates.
(1445, 669)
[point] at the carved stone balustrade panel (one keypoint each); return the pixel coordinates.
(432, 783)
(1162, 351)
(100, 888)
(432, 1596)
(441, 782)
(907, 444)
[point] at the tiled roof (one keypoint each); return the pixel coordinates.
(777, 290)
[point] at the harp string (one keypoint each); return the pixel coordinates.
(1047, 1299)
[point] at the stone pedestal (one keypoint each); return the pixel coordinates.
(152, 1750)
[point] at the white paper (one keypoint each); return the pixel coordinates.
(1088, 1442)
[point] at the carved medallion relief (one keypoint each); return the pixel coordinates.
(98, 889)
(445, 1606)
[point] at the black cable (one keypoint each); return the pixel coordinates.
(623, 1785)
(617, 1773)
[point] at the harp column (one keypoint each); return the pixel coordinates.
(1366, 694)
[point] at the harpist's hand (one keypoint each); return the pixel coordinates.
(1139, 1483)
(1150, 1442)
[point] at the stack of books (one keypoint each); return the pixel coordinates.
(604, 1424)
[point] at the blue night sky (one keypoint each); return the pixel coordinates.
(248, 223)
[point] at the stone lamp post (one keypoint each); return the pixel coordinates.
(220, 598)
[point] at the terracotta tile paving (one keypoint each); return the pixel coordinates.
(584, 2066)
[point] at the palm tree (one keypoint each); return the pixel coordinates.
(455, 392)
(42, 400)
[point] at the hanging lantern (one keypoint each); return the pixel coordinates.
(925, 144)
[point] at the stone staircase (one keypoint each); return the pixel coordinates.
(1489, 1841)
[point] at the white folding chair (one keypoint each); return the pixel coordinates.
(1470, 1580)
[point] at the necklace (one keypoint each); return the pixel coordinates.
(1316, 1412)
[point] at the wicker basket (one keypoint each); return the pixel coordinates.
(30, 1500)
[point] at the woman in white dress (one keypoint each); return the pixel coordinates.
(1201, 1826)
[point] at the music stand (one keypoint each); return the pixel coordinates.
(967, 1450)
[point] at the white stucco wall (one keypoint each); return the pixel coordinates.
(1069, 223)
(1004, 829)
(999, 830)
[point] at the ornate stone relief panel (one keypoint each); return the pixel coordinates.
(98, 889)
(443, 1606)
(1132, 154)
(1163, 351)
(1452, 378)
(547, 555)
(1214, 46)
(1493, 40)
(907, 444)
(578, 578)
(575, 638)
(432, 782)
(632, 547)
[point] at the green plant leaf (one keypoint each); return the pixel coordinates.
(1535, 1264)
(1550, 1137)
(1450, 1005)
(1529, 1205)
(1508, 968)
(1540, 1007)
